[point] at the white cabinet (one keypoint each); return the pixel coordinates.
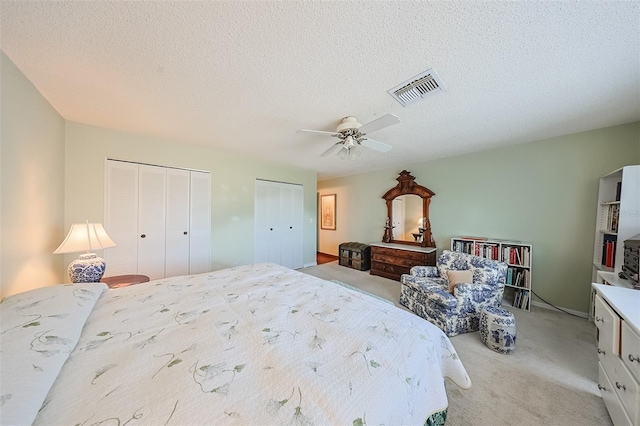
(278, 223)
(617, 318)
(159, 218)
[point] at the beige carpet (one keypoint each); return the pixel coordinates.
(551, 379)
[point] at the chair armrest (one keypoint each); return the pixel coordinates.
(424, 271)
(479, 292)
(440, 296)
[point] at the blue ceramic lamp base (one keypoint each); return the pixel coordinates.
(88, 268)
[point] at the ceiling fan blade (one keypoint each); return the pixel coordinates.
(317, 131)
(379, 123)
(375, 145)
(334, 148)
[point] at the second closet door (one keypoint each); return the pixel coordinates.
(177, 222)
(151, 221)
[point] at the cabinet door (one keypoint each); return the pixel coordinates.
(200, 223)
(121, 217)
(177, 223)
(151, 221)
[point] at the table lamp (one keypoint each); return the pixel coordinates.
(88, 268)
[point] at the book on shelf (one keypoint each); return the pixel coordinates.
(609, 250)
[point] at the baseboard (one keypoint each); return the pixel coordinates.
(580, 314)
(308, 265)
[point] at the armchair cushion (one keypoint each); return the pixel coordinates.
(456, 277)
(425, 290)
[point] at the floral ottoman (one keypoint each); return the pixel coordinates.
(498, 329)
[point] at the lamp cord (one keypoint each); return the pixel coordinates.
(551, 304)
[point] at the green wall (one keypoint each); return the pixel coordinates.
(232, 185)
(542, 192)
(32, 185)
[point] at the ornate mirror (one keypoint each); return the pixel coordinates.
(408, 213)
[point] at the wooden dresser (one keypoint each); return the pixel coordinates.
(391, 260)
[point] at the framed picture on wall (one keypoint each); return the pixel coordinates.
(328, 212)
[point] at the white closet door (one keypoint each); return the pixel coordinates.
(177, 223)
(121, 218)
(286, 247)
(278, 223)
(261, 222)
(275, 223)
(151, 221)
(200, 223)
(296, 234)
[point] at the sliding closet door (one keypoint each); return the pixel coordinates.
(151, 221)
(295, 227)
(177, 222)
(200, 223)
(286, 225)
(275, 223)
(121, 218)
(261, 222)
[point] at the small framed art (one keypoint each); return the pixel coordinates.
(328, 212)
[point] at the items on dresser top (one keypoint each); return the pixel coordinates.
(391, 260)
(631, 259)
(617, 318)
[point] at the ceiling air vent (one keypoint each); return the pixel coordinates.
(418, 87)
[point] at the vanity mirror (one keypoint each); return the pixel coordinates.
(408, 213)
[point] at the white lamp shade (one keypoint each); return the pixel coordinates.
(85, 237)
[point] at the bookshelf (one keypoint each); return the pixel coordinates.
(517, 255)
(617, 218)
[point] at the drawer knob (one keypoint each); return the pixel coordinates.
(600, 351)
(602, 388)
(619, 386)
(632, 358)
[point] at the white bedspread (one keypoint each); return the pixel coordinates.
(260, 344)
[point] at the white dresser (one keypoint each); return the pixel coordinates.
(617, 318)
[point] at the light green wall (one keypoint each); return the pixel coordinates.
(232, 185)
(542, 192)
(32, 185)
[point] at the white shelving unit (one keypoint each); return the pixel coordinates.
(517, 255)
(618, 217)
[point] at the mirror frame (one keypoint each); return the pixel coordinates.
(407, 185)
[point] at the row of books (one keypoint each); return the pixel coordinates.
(609, 250)
(521, 299)
(518, 277)
(517, 255)
(488, 251)
(613, 217)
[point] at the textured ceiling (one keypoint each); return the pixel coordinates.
(243, 76)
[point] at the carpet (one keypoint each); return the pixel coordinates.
(361, 291)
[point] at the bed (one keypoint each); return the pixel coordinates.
(257, 344)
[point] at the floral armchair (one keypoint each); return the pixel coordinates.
(426, 291)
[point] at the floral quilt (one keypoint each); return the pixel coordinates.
(258, 344)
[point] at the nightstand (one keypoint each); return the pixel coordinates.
(120, 281)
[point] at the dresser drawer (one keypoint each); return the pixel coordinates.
(614, 406)
(631, 350)
(608, 324)
(407, 254)
(389, 268)
(399, 261)
(625, 386)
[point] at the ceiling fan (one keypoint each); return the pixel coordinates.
(353, 134)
